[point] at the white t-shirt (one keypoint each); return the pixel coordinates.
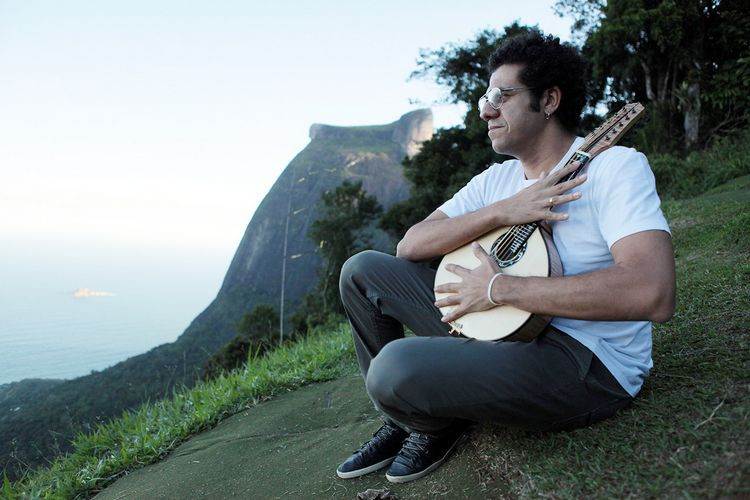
(618, 199)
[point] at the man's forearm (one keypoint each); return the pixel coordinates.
(613, 294)
(439, 234)
(640, 285)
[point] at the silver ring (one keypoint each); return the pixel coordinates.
(551, 204)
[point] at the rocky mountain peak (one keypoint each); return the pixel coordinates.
(413, 129)
(409, 131)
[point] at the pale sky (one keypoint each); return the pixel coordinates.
(160, 122)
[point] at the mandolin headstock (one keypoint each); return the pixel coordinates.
(608, 133)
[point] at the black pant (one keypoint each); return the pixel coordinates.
(423, 383)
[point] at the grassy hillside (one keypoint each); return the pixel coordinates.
(687, 434)
(143, 436)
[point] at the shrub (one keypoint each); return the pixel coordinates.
(726, 159)
(233, 355)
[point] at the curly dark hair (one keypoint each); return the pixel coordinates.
(547, 63)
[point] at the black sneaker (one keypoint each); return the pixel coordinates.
(423, 453)
(375, 454)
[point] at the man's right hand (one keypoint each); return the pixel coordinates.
(439, 234)
(535, 203)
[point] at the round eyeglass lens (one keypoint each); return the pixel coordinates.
(494, 97)
(481, 103)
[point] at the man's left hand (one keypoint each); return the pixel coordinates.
(470, 294)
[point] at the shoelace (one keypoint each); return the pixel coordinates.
(415, 446)
(385, 431)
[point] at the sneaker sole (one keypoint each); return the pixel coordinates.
(366, 470)
(417, 475)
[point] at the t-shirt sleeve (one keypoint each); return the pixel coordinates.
(625, 194)
(469, 198)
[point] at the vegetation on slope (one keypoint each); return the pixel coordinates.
(687, 433)
(150, 432)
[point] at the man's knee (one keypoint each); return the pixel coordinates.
(359, 266)
(393, 375)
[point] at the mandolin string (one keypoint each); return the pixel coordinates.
(511, 235)
(508, 239)
(506, 242)
(587, 147)
(518, 238)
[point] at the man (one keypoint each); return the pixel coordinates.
(619, 276)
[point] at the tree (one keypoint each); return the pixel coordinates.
(453, 156)
(689, 59)
(232, 355)
(255, 337)
(340, 232)
(260, 323)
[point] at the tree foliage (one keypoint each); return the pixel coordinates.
(454, 155)
(256, 333)
(340, 231)
(311, 313)
(260, 323)
(688, 59)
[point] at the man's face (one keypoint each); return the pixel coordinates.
(514, 127)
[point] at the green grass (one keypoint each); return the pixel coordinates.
(687, 434)
(153, 430)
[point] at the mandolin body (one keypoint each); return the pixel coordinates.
(539, 258)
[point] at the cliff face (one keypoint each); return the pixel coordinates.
(371, 155)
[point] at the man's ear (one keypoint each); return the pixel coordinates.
(551, 100)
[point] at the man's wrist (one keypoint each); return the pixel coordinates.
(489, 289)
(499, 217)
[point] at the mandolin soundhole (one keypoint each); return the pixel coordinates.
(506, 257)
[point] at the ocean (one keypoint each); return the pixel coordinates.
(139, 297)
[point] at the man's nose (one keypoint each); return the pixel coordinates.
(488, 112)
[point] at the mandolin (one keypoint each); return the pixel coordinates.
(526, 249)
